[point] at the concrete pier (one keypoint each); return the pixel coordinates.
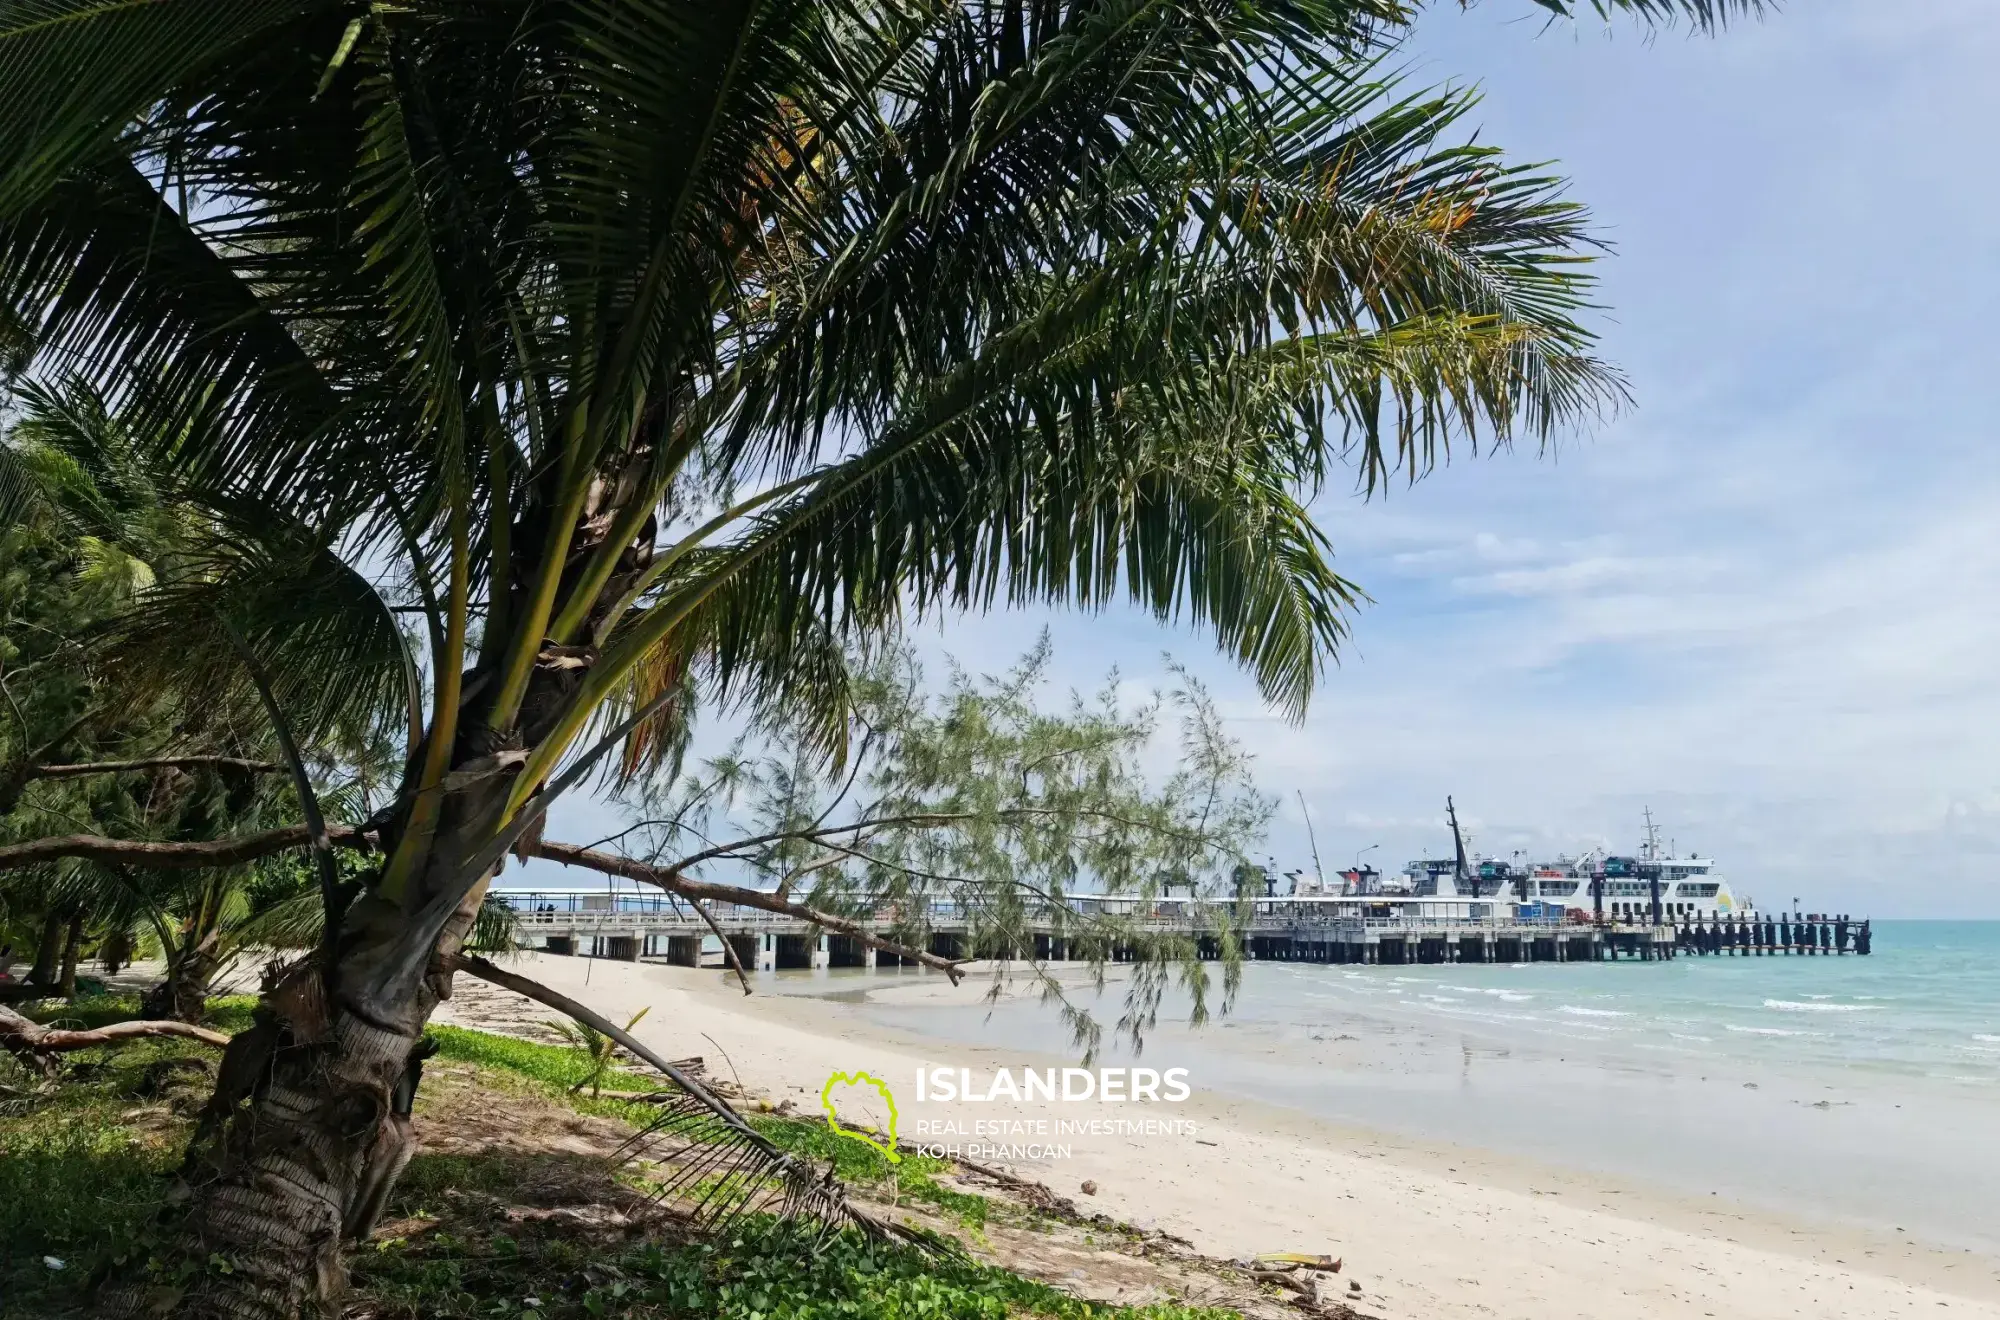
(1275, 931)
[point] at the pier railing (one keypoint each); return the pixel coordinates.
(1280, 931)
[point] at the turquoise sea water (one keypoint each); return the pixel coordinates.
(1857, 1089)
(1925, 1006)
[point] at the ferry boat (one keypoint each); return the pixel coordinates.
(1595, 886)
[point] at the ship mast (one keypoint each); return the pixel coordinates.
(1653, 855)
(1458, 846)
(1318, 873)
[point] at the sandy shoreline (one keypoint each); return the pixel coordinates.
(1428, 1230)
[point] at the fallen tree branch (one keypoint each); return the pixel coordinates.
(694, 891)
(151, 763)
(178, 856)
(31, 1042)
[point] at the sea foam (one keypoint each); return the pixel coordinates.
(1794, 1006)
(1767, 1031)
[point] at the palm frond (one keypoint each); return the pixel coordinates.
(21, 488)
(332, 648)
(697, 1151)
(1705, 15)
(118, 286)
(74, 74)
(495, 929)
(703, 1159)
(290, 923)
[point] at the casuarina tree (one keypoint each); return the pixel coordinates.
(652, 351)
(91, 534)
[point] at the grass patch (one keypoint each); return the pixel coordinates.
(550, 1070)
(230, 1013)
(81, 1172)
(553, 1065)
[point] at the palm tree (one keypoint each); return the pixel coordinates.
(595, 1051)
(663, 347)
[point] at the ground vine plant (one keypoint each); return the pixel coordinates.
(648, 354)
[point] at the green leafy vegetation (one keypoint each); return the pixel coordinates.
(554, 1072)
(593, 1048)
(984, 800)
(91, 532)
(764, 1270)
(914, 1177)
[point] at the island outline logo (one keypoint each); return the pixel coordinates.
(826, 1102)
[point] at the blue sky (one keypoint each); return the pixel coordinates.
(1762, 602)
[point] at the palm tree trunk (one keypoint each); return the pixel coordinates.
(47, 951)
(115, 952)
(309, 1128)
(72, 949)
(182, 994)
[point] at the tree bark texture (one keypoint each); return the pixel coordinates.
(72, 952)
(183, 993)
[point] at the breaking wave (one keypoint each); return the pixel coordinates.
(1767, 1031)
(1794, 1006)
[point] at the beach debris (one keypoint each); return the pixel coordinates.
(1297, 1260)
(1089, 1187)
(1354, 1285)
(579, 1216)
(1299, 1273)
(1302, 1284)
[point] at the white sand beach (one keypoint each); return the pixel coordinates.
(1430, 1232)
